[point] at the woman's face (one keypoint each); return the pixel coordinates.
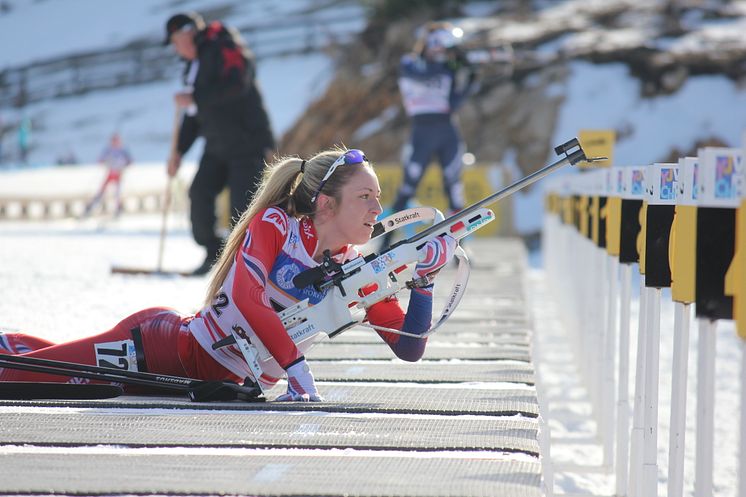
(359, 207)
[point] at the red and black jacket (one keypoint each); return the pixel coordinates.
(230, 109)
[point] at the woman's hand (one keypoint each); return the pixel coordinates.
(183, 99)
(301, 386)
(433, 256)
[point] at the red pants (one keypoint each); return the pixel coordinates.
(158, 344)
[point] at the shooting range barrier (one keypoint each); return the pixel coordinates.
(439, 427)
(63, 192)
(684, 226)
(143, 187)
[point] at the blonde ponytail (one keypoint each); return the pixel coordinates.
(283, 185)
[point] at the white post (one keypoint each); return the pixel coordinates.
(585, 313)
(676, 436)
(705, 407)
(608, 363)
(652, 353)
(596, 334)
(622, 433)
(742, 450)
(636, 437)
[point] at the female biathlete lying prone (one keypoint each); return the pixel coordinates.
(301, 209)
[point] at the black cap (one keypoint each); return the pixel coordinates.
(178, 21)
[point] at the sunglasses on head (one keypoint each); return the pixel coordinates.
(348, 158)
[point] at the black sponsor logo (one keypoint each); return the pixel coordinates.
(404, 219)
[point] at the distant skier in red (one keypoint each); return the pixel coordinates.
(116, 158)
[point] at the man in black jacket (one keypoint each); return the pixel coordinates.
(223, 104)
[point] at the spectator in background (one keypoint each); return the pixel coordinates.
(223, 104)
(434, 81)
(24, 139)
(115, 157)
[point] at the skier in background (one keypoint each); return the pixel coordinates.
(224, 105)
(115, 157)
(434, 80)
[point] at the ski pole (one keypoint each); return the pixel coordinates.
(167, 194)
(198, 390)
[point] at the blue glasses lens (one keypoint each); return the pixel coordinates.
(354, 156)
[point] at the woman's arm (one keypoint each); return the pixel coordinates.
(264, 240)
(388, 313)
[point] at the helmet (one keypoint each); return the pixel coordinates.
(443, 38)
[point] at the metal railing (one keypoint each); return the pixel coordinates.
(146, 60)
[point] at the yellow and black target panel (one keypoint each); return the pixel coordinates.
(632, 215)
(613, 230)
(568, 210)
(714, 253)
(629, 230)
(720, 187)
(683, 243)
(548, 203)
(598, 215)
(613, 214)
(657, 236)
(661, 190)
(582, 215)
(683, 254)
(735, 278)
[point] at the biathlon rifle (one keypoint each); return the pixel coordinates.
(353, 286)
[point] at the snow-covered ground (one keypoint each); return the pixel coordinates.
(576, 451)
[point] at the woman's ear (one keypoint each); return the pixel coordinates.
(325, 204)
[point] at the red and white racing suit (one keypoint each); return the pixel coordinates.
(259, 284)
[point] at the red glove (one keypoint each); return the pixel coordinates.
(432, 257)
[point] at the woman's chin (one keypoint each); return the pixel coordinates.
(362, 239)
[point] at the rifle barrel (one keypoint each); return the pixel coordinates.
(571, 158)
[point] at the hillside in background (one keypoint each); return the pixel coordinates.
(624, 65)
